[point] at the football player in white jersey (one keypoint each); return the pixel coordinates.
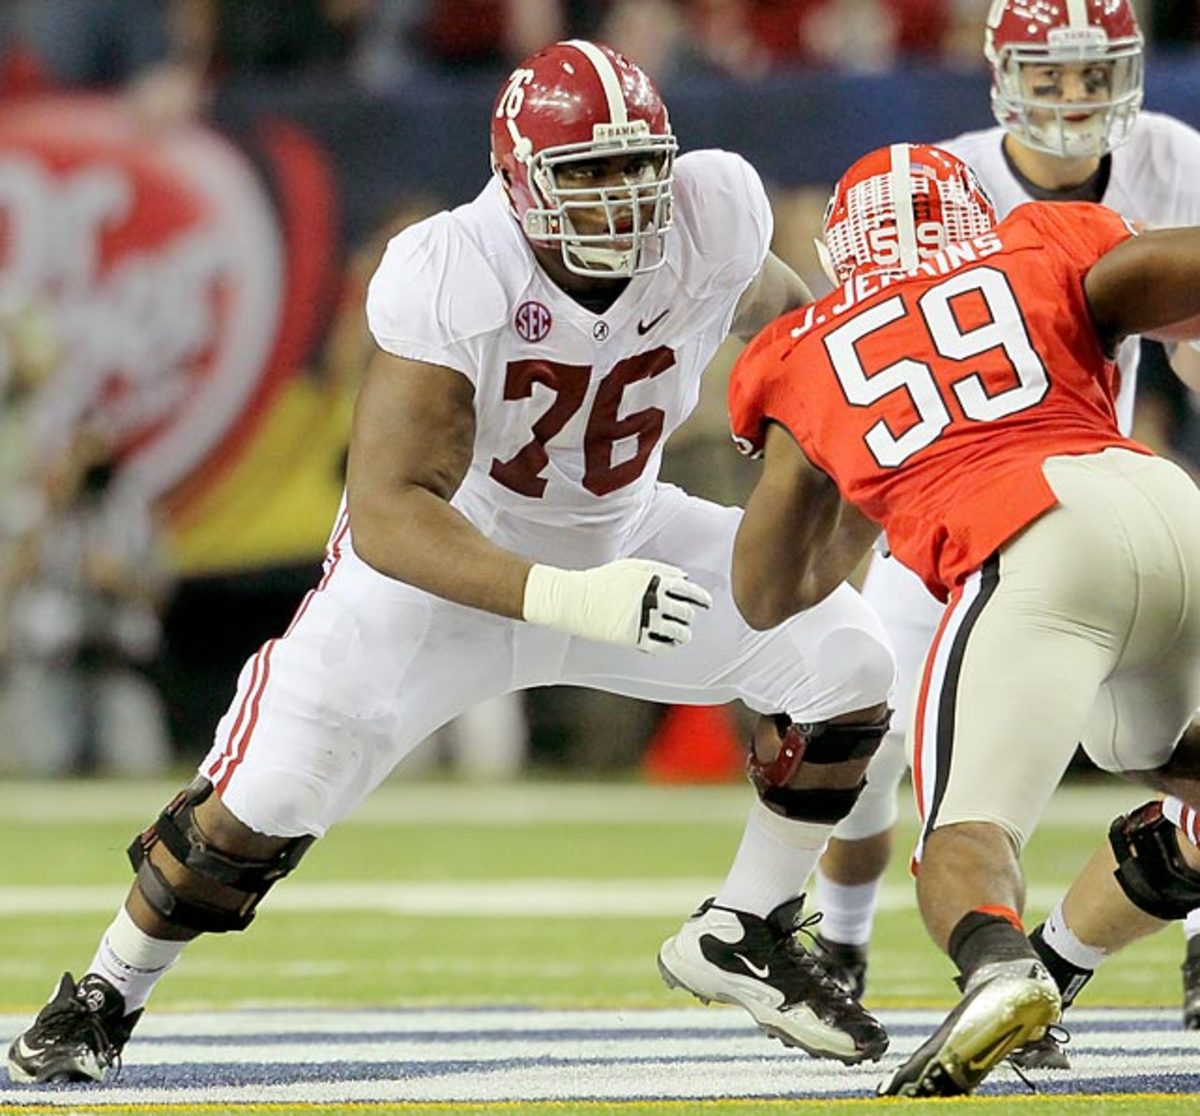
(1066, 91)
(503, 528)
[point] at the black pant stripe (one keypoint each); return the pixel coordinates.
(948, 697)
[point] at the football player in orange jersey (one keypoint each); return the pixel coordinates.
(1067, 90)
(958, 390)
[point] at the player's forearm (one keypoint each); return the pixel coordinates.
(843, 550)
(1150, 284)
(774, 571)
(780, 571)
(416, 537)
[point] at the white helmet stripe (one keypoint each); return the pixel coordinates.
(902, 201)
(607, 74)
(1077, 15)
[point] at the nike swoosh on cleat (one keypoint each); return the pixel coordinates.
(25, 1050)
(985, 1058)
(760, 971)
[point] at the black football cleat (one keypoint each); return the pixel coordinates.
(759, 964)
(846, 963)
(77, 1036)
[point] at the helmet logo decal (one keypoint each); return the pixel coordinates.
(533, 321)
(509, 107)
(602, 132)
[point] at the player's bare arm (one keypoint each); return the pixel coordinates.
(798, 539)
(775, 290)
(411, 445)
(1148, 284)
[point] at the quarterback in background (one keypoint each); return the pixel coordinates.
(958, 390)
(504, 527)
(1066, 93)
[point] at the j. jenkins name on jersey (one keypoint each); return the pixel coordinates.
(862, 286)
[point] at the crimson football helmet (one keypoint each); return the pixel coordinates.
(1099, 38)
(569, 105)
(896, 206)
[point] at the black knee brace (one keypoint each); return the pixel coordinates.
(210, 869)
(1150, 868)
(822, 743)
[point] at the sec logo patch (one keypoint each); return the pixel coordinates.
(533, 321)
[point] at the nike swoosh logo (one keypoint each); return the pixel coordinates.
(986, 1057)
(760, 971)
(646, 327)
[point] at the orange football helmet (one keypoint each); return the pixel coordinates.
(897, 205)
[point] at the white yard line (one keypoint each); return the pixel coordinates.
(504, 1056)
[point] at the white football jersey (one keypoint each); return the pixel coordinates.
(572, 407)
(1153, 179)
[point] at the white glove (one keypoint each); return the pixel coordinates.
(632, 601)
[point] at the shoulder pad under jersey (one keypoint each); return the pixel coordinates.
(433, 290)
(723, 220)
(1165, 165)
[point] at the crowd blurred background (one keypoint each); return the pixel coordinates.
(193, 194)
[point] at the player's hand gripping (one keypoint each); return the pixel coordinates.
(632, 601)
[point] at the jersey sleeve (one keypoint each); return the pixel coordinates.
(1082, 231)
(1174, 170)
(754, 385)
(432, 294)
(723, 210)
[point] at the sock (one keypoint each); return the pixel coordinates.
(1191, 928)
(132, 961)
(985, 935)
(1069, 960)
(776, 856)
(847, 910)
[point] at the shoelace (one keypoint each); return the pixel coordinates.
(73, 1022)
(1055, 1031)
(804, 958)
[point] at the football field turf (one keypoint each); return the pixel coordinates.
(470, 948)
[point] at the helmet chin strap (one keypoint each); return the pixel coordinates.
(595, 260)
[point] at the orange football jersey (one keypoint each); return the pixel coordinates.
(933, 397)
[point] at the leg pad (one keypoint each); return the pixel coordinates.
(1150, 869)
(204, 904)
